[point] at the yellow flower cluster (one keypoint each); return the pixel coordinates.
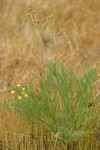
(23, 93)
(18, 85)
(19, 97)
(12, 92)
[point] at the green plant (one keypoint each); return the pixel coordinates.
(65, 104)
(44, 28)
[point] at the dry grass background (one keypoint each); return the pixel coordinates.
(19, 54)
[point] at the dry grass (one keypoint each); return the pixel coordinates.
(20, 57)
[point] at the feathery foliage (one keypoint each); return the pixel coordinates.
(65, 104)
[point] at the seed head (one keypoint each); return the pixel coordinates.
(62, 30)
(50, 17)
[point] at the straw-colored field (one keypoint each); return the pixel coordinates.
(20, 57)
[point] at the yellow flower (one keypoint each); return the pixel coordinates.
(23, 93)
(12, 92)
(19, 97)
(18, 85)
(98, 75)
(26, 95)
(23, 89)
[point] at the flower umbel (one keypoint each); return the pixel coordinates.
(23, 93)
(26, 95)
(23, 89)
(19, 97)
(12, 92)
(18, 85)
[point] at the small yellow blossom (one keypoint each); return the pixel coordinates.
(98, 75)
(19, 97)
(23, 93)
(23, 89)
(26, 95)
(12, 92)
(18, 85)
